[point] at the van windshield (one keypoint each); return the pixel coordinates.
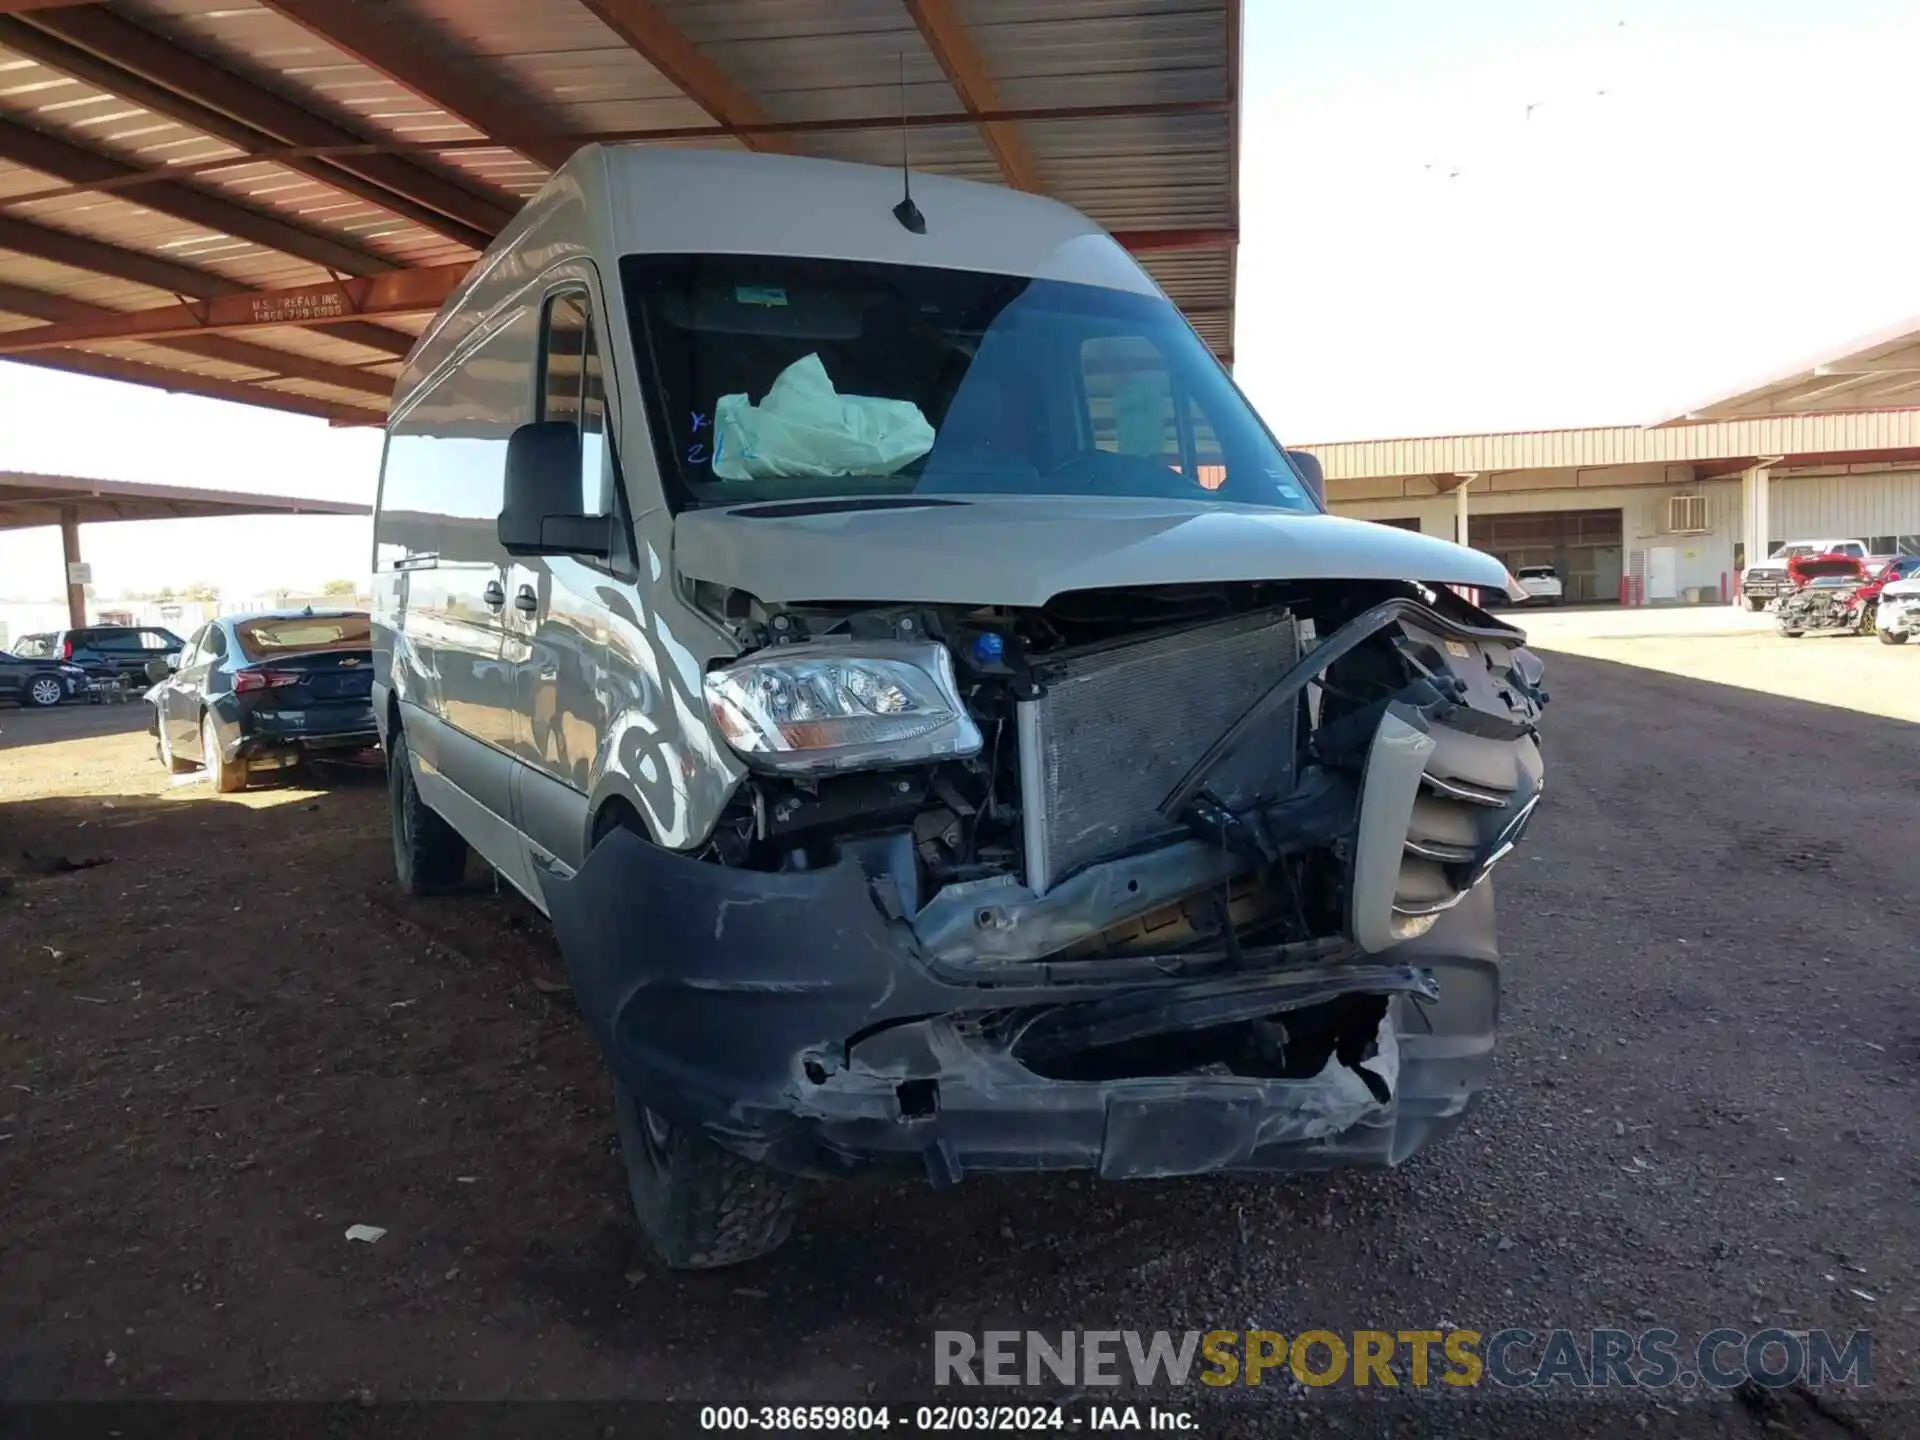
(773, 377)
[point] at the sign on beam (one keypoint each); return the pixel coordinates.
(79, 572)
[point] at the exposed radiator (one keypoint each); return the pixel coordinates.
(1114, 731)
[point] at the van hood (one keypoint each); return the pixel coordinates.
(1024, 550)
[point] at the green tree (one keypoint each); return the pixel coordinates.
(200, 590)
(340, 587)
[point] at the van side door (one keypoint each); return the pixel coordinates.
(557, 617)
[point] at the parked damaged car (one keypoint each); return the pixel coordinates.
(945, 729)
(1897, 605)
(1828, 597)
(1765, 581)
(253, 694)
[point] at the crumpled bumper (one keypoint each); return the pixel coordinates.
(1898, 615)
(795, 1023)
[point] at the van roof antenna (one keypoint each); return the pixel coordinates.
(906, 212)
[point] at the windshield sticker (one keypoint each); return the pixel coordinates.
(760, 294)
(1288, 492)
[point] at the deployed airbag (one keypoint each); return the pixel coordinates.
(805, 429)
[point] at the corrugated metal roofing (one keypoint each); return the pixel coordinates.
(1873, 433)
(1881, 371)
(155, 151)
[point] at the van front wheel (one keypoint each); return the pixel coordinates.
(428, 854)
(699, 1206)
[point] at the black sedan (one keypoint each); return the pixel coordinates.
(40, 683)
(260, 691)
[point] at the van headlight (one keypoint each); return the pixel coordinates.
(817, 707)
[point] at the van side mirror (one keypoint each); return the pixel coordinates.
(540, 510)
(1307, 466)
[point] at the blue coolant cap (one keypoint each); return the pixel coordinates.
(988, 648)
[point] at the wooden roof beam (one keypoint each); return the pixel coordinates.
(82, 252)
(343, 304)
(64, 312)
(99, 47)
(661, 43)
(379, 43)
(953, 49)
(399, 292)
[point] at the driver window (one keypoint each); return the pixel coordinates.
(213, 644)
(190, 652)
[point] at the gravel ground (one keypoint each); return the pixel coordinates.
(235, 1039)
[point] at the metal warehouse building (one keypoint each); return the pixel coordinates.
(1669, 513)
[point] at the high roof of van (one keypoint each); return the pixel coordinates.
(615, 200)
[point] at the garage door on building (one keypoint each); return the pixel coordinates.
(1583, 545)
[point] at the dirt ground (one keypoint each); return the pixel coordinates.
(233, 1039)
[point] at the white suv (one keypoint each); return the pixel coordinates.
(1542, 584)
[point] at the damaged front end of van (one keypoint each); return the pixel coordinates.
(1148, 881)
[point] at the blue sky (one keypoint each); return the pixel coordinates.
(1420, 254)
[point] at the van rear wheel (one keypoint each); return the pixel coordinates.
(429, 856)
(700, 1207)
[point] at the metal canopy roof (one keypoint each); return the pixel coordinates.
(29, 500)
(264, 200)
(1879, 372)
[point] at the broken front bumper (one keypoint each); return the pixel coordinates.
(1898, 615)
(787, 1017)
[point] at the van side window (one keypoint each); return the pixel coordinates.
(441, 477)
(213, 646)
(573, 388)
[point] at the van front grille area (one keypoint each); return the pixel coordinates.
(1115, 730)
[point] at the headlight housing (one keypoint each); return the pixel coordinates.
(811, 708)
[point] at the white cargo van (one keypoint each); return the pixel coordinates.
(941, 723)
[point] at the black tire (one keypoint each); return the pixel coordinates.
(429, 857)
(1756, 603)
(1892, 637)
(700, 1207)
(42, 692)
(1791, 634)
(175, 765)
(229, 776)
